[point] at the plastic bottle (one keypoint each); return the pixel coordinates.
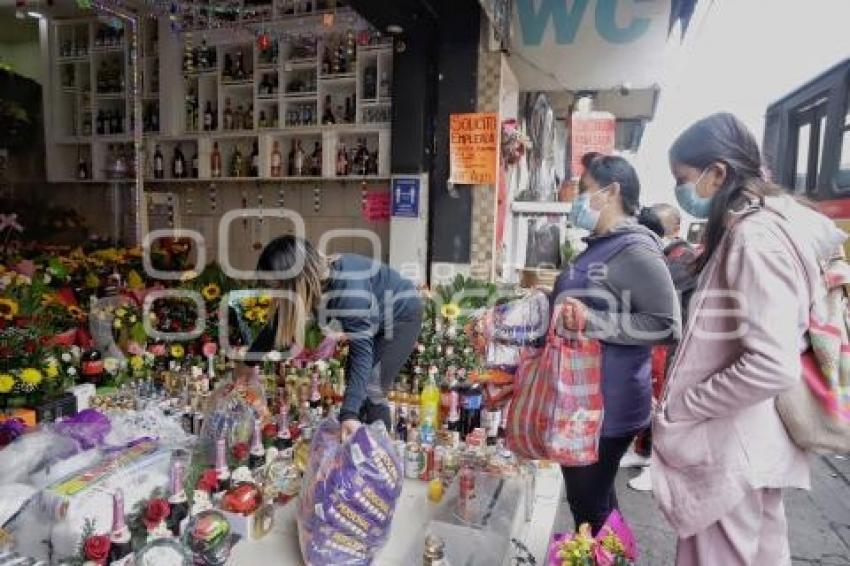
(429, 408)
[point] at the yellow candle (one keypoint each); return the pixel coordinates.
(435, 490)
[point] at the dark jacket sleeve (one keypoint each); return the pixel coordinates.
(647, 306)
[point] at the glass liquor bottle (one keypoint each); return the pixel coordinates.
(215, 161)
(299, 159)
(177, 500)
(284, 438)
(228, 115)
(257, 456)
(222, 471)
(276, 160)
(317, 160)
(208, 117)
(237, 165)
(158, 165)
(120, 543)
(178, 165)
(290, 170)
(328, 115)
(255, 161)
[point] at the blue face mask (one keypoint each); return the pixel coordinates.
(690, 201)
(582, 215)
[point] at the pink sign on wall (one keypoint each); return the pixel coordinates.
(376, 206)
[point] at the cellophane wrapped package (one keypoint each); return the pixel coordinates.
(349, 495)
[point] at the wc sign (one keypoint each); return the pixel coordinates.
(591, 44)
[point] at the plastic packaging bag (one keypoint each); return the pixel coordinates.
(349, 496)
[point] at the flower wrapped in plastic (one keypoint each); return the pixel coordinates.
(349, 495)
(613, 545)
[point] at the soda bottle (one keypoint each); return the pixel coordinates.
(429, 408)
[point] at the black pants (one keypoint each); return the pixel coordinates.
(590, 489)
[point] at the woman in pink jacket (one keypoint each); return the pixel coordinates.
(721, 455)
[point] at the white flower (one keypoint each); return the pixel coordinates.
(72, 371)
(467, 350)
(110, 365)
(149, 357)
(420, 348)
(66, 357)
(132, 319)
(321, 366)
(450, 351)
(200, 501)
(76, 351)
(46, 278)
(242, 474)
(123, 364)
(197, 372)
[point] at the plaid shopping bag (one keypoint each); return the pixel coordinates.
(556, 413)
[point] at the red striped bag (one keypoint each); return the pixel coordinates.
(556, 413)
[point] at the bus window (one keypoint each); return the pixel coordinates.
(842, 177)
(810, 121)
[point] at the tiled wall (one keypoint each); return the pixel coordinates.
(483, 199)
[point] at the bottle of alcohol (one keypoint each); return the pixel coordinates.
(290, 170)
(491, 418)
(401, 425)
(284, 438)
(315, 394)
(276, 165)
(158, 166)
(215, 161)
(429, 408)
(239, 118)
(454, 410)
(342, 162)
(255, 160)
(178, 165)
(257, 456)
(248, 119)
(120, 544)
(237, 165)
(317, 160)
(328, 115)
(82, 169)
(470, 409)
(203, 60)
(228, 115)
(177, 499)
(299, 159)
(195, 165)
(265, 86)
(222, 471)
(262, 122)
(349, 110)
(208, 117)
(87, 124)
(239, 67)
(384, 87)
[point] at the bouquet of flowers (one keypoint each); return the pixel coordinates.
(614, 545)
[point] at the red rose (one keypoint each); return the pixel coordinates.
(240, 451)
(270, 431)
(29, 347)
(96, 548)
(208, 481)
(156, 512)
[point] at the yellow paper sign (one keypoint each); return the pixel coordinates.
(473, 144)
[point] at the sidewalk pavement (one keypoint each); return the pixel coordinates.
(819, 520)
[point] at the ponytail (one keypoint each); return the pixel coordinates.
(650, 219)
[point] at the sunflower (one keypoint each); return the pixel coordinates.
(450, 311)
(211, 292)
(76, 312)
(8, 308)
(7, 382)
(249, 302)
(31, 377)
(177, 351)
(251, 314)
(264, 301)
(263, 316)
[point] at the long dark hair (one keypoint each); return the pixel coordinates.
(723, 138)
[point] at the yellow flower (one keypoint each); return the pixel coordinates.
(263, 316)
(121, 312)
(8, 308)
(211, 292)
(137, 363)
(251, 314)
(31, 377)
(177, 351)
(249, 302)
(450, 311)
(188, 275)
(51, 371)
(116, 323)
(7, 382)
(264, 301)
